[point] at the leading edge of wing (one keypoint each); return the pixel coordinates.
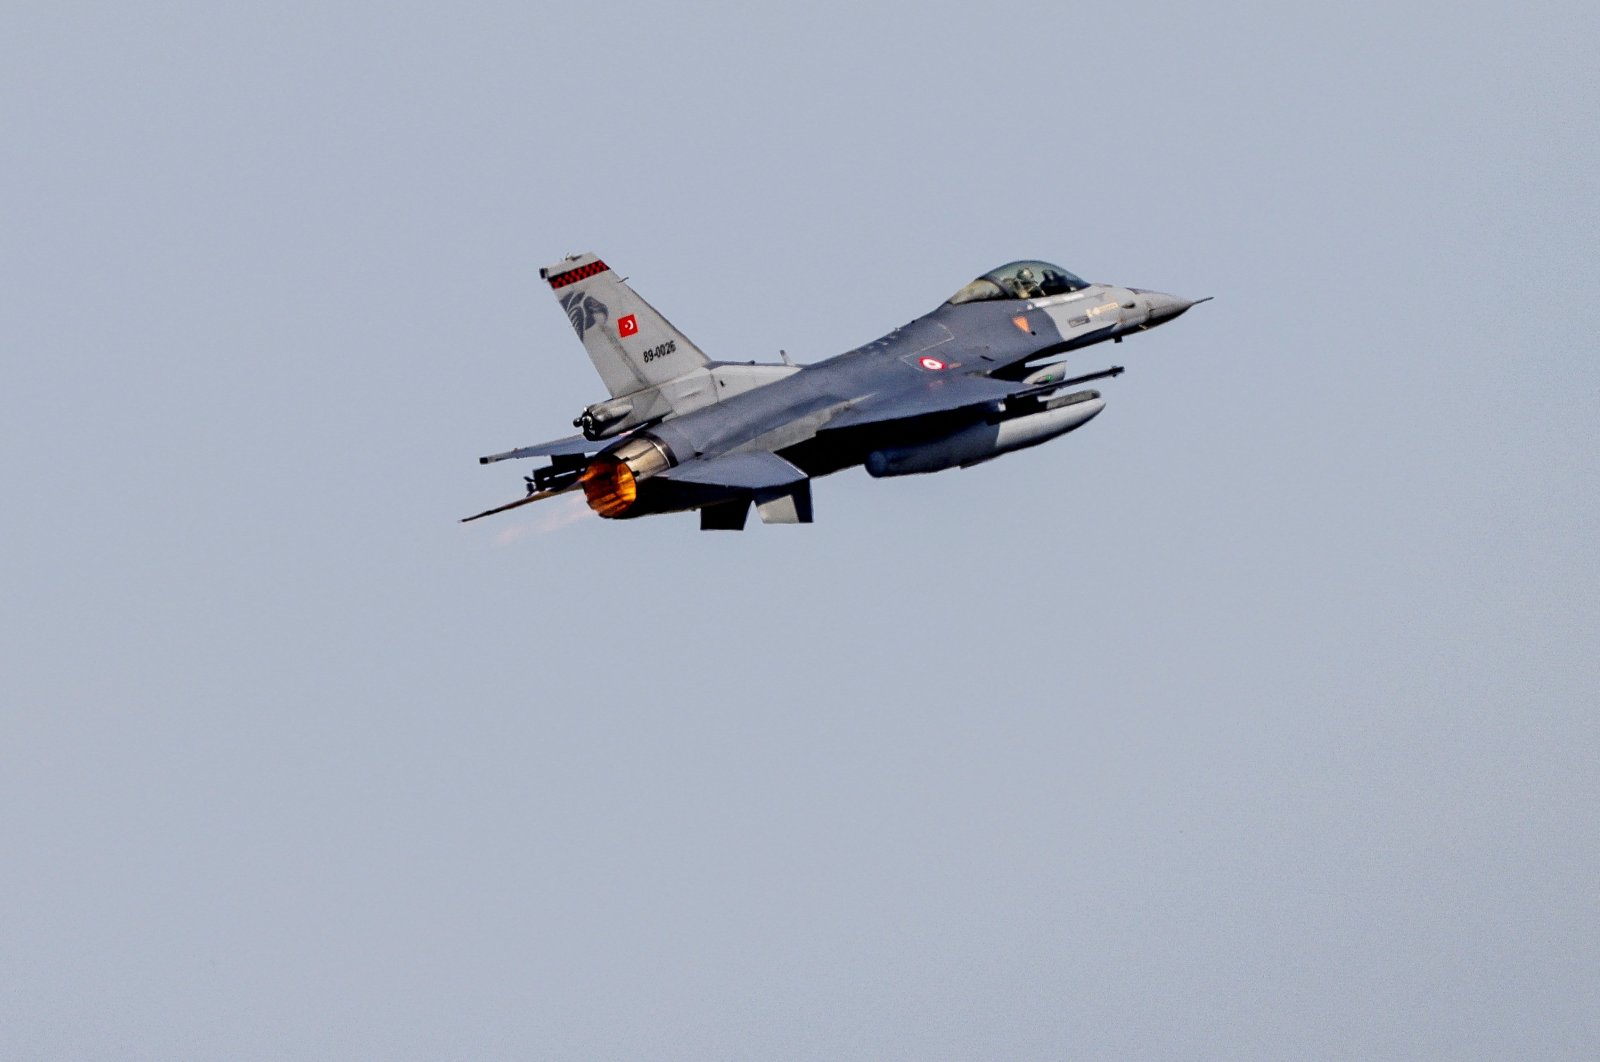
(943, 394)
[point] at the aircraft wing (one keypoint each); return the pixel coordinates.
(753, 470)
(940, 394)
(571, 446)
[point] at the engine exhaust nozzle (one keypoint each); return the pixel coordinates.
(611, 482)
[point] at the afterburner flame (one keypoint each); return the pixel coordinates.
(609, 486)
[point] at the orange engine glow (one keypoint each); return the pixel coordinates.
(609, 486)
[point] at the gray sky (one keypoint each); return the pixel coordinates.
(1256, 720)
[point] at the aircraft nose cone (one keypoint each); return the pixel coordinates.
(1164, 308)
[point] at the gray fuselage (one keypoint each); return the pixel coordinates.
(998, 340)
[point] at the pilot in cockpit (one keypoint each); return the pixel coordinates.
(1024, 286)
(1019, 280)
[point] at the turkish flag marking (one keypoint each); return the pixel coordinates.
(628, 326)
(932, 364)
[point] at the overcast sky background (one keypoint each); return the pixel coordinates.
(1256, 720)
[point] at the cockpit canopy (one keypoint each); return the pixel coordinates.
(1019, 280)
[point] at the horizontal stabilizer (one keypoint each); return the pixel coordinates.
(529, 500)
(756, 470)
(571, 446)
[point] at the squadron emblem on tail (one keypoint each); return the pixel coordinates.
(584, 311)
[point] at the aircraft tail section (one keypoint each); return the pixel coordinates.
(632, 346)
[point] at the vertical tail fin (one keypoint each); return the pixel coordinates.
(632, 346)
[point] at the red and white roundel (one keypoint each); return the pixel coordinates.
(931, 364)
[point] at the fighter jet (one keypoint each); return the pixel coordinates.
(982, 375)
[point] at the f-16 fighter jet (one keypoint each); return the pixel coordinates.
(982, 375)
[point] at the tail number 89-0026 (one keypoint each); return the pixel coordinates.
(662, 351)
